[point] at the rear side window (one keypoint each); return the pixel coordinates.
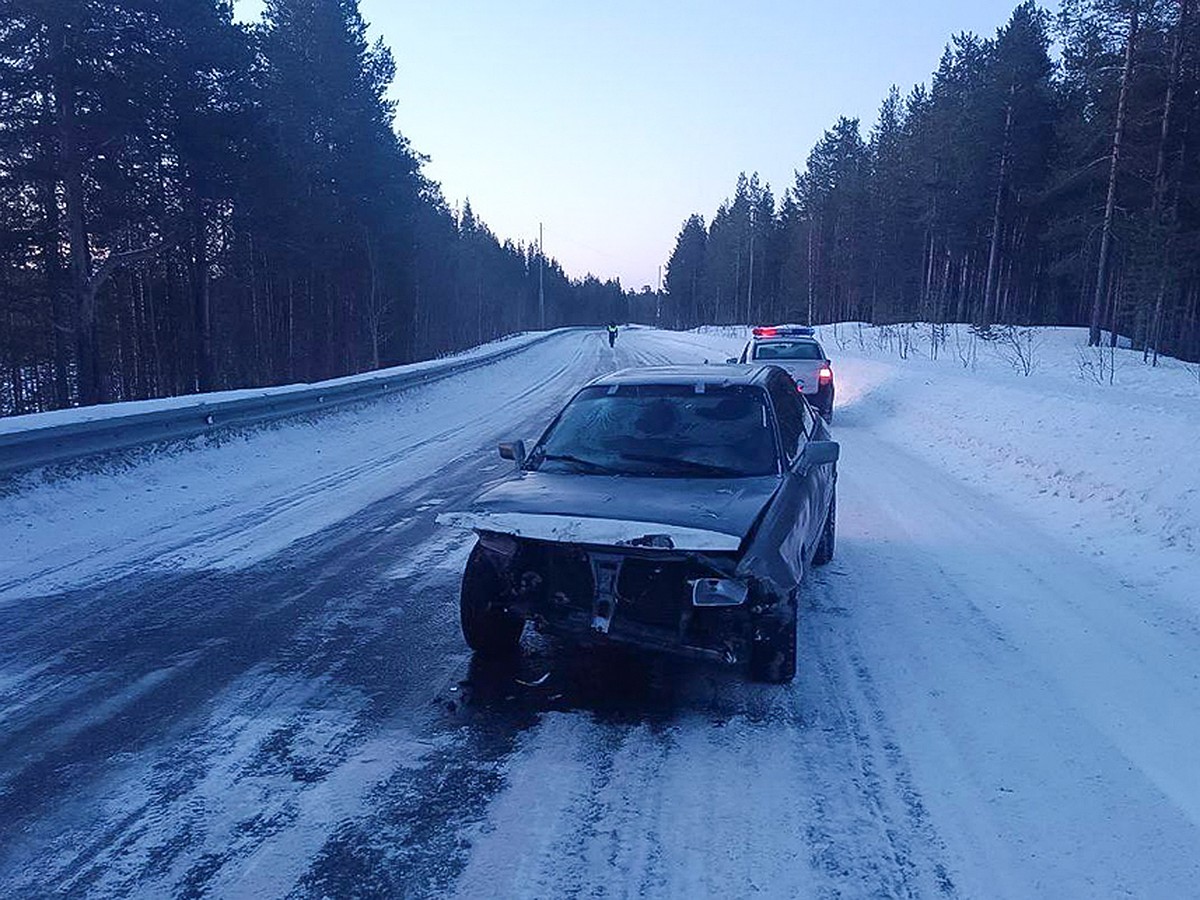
(789, 413)
(810, 418)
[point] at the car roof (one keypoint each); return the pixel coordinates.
(723, 373)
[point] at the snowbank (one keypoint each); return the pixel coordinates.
(13, 424)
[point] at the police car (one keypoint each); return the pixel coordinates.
(796, 349)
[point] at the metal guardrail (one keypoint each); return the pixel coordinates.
(53, 444)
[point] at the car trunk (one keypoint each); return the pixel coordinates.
(804, 371)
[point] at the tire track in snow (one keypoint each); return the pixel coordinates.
(908, 858)
(712, 785)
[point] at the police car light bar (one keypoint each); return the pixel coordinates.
(784, 331)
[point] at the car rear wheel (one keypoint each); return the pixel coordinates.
(488, 628)
(826, 545)
(773, 653)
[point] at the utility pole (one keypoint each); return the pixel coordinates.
(541, 287)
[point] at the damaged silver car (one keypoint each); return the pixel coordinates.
(672, 508)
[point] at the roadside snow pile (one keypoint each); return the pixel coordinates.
(1092, 440)
(14, 424)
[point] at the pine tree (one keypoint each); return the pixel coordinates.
(686, 273)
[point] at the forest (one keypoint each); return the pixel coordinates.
(1047, 175)
(190, 203)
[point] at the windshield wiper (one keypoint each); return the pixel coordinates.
(689, 465)
(595, 467)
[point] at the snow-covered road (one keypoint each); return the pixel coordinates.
(237, 671)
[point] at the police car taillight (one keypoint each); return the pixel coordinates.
(826, 374)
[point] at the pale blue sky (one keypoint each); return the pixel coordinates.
(612, 121)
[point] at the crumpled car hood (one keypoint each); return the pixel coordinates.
(669, 513)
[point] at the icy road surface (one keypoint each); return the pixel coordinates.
(236, 670)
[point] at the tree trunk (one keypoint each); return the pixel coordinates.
(989, 286)
(737, 289)
(374, 313)
(750, 289)
(291, 327)
(60, 308)
(81, 293)
(202, 301)
(1111, 201)
(811, 272)
(1161, 179)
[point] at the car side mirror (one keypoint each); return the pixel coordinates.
(515, 451)
(820, 453)
(732, 360)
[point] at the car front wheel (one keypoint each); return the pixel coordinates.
(488, 628)
(773, 653)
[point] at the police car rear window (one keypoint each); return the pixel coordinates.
(788, 350)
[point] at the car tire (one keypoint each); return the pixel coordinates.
(828, 542)
(488, 629)
(773, 655)
(827, 415)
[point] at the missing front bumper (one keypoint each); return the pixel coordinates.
(639, 597)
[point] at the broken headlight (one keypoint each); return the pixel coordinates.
(502, 546)
(719, 592)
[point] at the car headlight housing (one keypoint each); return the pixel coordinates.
(502, 546)
(719, 592)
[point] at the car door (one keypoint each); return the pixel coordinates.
(822, 477)
(801, 490)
